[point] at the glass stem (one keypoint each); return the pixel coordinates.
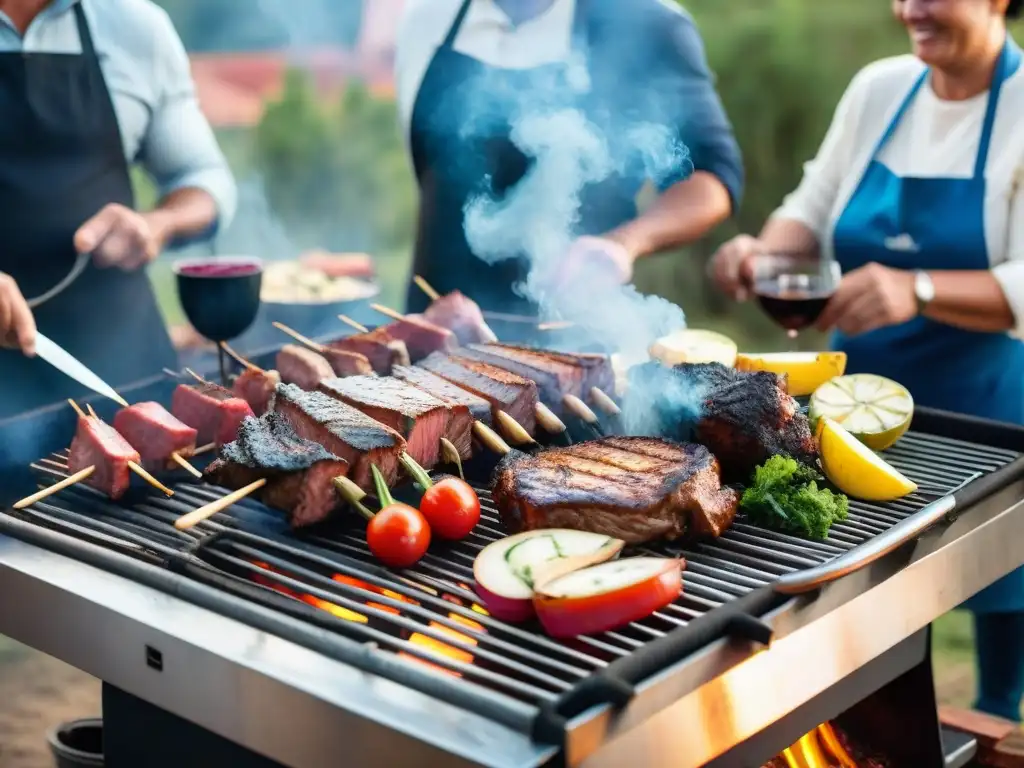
(794, 340)
(223, 366)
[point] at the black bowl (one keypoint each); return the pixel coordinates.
(78, 744)
(221, 294)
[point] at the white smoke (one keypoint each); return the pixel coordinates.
(540, 216)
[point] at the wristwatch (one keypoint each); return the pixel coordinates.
(924, 290)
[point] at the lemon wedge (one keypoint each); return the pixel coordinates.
(805, 371)
(876, 410)
(693, 345)
(857, 470)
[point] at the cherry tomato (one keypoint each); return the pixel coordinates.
(398, 536)
(451, 507)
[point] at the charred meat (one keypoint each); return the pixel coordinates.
(418, 417)
(743, 418)
(213, 411)
(97, 444)
(345, 432)
(299, 472)
(302, 367)
(462, 316)
(505, 391)
(256, 387)
(549, 384)
(156, 434)
(637, 489)
(378, 347)
(344, 362)
(463, 406)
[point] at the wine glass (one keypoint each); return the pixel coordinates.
(793, 290)
(220, 296)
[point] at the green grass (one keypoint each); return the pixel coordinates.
(953, 659)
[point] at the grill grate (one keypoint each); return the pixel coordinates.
(427, 616)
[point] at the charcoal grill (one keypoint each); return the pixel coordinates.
(228, 625)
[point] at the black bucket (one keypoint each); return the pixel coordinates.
(77, 744)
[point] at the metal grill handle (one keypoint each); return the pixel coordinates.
(868, 552)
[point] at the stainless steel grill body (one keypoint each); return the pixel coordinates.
(298, 684)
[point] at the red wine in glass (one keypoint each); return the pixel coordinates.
(794, 292)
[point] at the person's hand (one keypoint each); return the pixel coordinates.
(870, 297)
(732, 266)
(120, 237)
(17, 325)
(591, 258)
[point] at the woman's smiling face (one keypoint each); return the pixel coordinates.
(947, 33)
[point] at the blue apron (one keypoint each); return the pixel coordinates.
(936, 224)
(454, 164)
(61, 161)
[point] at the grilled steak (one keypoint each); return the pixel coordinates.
(345, 432)
(418, 417)
(299, 472)
(590, 369)
(213, 411)
(377, 347)
(462, 316)
(634, 488)
(743, 418)
(155, 434)
(97, 444)
(256, 387)
(503, 390)
(463, 406)
(553, 379)
(421, 338)
(303, 367)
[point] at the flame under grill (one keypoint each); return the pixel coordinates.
(427, 617)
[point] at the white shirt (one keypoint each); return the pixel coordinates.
(935, 138)
(148, 74)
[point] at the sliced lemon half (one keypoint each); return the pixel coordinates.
(694, 345)
(857, 470)
(804, 371)
(876, 410)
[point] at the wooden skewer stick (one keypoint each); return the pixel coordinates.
(92, 413)
(78, 410)
(513, 430)
(604, 402)
(555, 325)
(183, 463)
(195, 376)
(451, 455)
(67, 481)
(491, 440)
(548, 421)
(352, 323)
(149, 478)
(299, 337)
(238, 358)
(197, 516)
(576, 406)
(426, 287)
(204, 449)
(388, 312)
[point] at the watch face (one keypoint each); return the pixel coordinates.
(924, 288)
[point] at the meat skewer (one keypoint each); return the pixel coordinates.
(421, 336)
(158, 436)
(299, 473)
(343, 362)
(458, 313)
(101, 458)
(379, 346)
(254, 385)
(213, 411)
(302, 366)
(595, 389)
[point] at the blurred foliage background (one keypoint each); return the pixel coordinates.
(334, 174)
